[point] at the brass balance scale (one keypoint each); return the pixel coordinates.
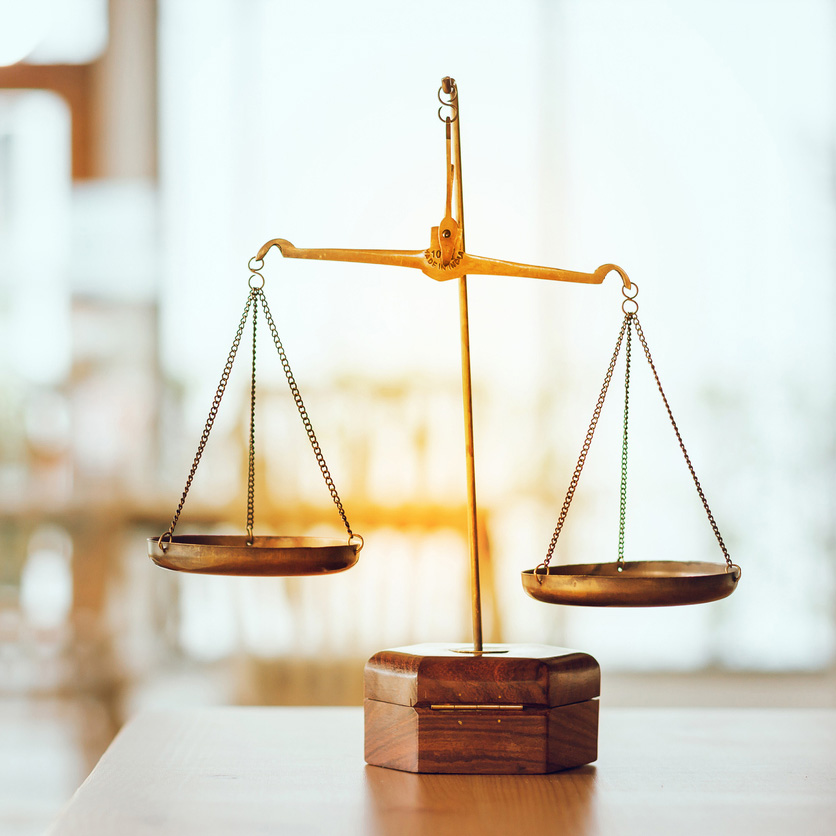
(508, 708)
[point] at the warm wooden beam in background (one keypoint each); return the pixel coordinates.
(73, 82)
(112, 101)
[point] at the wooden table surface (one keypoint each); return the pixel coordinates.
(300, 770)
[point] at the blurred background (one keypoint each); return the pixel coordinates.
(148, 148)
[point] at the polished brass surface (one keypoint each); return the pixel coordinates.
(446, 257)
(656, 583)
(454, 230)
(426, 261)
(267, 556)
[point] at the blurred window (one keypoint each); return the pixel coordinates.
(35, 206)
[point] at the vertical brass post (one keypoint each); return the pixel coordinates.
(467, 396)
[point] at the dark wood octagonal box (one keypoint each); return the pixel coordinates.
(515, 708)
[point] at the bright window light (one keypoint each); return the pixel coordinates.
(52, 31)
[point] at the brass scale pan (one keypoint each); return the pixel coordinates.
(223, 554)
(642, 583)
(646, 583)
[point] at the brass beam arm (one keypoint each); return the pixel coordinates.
(476, 265)
(425, 260)
(394, 258)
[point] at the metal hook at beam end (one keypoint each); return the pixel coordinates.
(275, 242)
(605, 269)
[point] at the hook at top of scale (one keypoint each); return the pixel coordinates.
(446, 257)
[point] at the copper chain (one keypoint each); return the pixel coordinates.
(256, 295)
(622, 500)
(303, 414)
(700, 492)
(251, 458)
(213, 411)
(596, 414)
(631, 320)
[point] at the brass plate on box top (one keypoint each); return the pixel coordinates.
(643, 583)
(267, 556)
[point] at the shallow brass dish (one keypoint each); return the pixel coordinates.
(277, 556)
(643, 583)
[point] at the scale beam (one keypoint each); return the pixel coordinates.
(431, 262)
(446, 257)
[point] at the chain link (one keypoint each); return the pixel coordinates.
(631, 320)
(255, 297)
(570, 493)
(251, 462)
(213, 411)
(622, 502)
(700, 492)
(303, 414)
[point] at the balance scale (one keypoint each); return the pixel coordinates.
(475, 708)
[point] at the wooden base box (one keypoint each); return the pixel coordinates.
(516, 708)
